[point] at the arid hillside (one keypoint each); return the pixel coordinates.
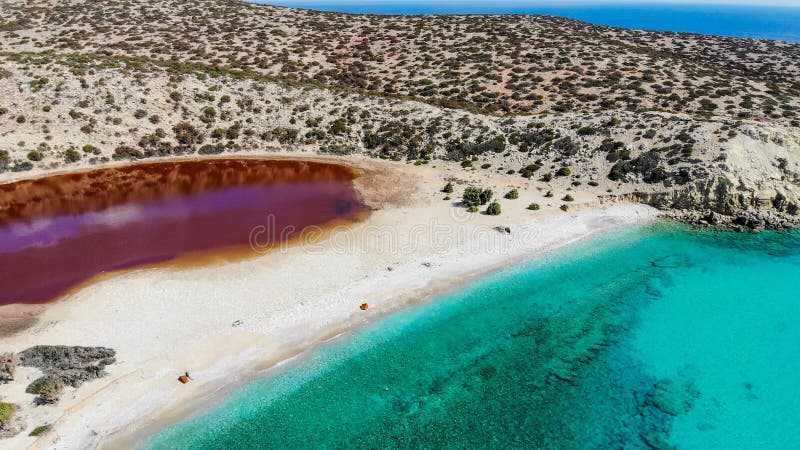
(686, 122)
(491, 64)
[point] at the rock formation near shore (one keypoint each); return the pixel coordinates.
(62, 365)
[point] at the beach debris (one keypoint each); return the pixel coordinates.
(364, 306)
(502, 229)
(63, 365)
(426, 264)
(8, 365)
(185, 378)
(236, 323)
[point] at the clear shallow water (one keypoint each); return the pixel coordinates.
(645, 337)
(765, 22)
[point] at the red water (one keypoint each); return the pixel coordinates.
(58, 232)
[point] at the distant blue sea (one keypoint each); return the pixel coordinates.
(762, 22)
(644, 338)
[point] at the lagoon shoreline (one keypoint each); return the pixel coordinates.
(165, 321)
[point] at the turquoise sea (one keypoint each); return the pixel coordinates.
(651, 337)
(763, 20)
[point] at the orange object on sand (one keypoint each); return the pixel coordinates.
(183, 379)
(364, 306)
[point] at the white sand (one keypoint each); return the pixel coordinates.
(164, 321)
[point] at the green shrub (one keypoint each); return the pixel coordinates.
(123, 151)
(472, 209)
(38, 431)
(71, 156)
(568, 198)
(512, 194)
(533, 206)
(285, 135)
(218, 133)
(448, 188)
(462, 149)
(48, 388)
(564, 207)
(35, 155)
(338, 127)
(564, 172)
(6, 412)
(89, 148)
(472, 196)
(486, 195)
(37, 85)
(528, 171)
(187, 134)
(493, 209)
(209, 149)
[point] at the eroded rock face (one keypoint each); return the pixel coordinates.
(720, 203)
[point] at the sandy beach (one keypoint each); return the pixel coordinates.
(227, 322)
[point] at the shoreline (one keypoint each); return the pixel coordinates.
(293, 357)
(164, 321)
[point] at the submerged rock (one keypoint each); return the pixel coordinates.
(673, 397)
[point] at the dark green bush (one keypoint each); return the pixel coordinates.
(209, 149)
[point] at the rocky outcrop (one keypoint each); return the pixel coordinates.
(64, 365)
(719, 203)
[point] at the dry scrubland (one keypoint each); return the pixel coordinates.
(709, 122)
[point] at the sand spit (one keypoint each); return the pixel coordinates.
(225, 322)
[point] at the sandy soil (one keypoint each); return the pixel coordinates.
(223, 323)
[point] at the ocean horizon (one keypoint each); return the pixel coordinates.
(774, 22)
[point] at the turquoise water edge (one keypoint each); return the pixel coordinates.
(760, 21)
(654, 337)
